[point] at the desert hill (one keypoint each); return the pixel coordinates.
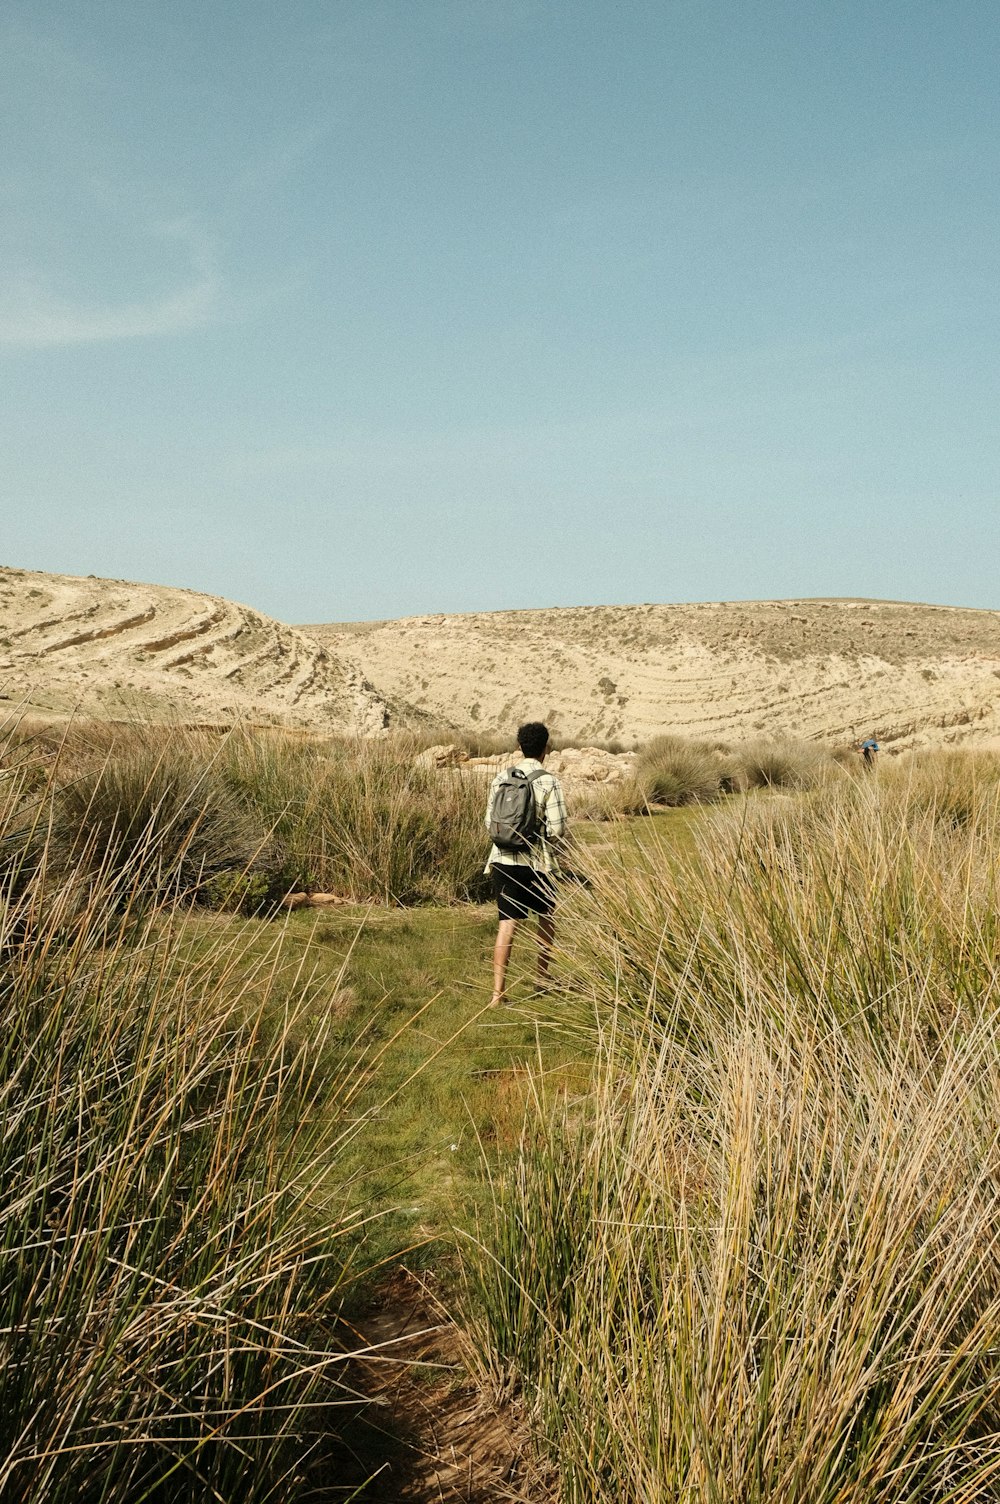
(113, 649)
(835, 669)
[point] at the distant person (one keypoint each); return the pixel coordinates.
(870, 751)
(526, 817)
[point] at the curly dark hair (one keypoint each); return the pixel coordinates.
(532, 738)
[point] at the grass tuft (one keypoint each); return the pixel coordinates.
(676, 770)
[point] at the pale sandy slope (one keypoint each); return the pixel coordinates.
(115, 649)
(834, 669)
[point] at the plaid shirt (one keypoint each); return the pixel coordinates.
(552, 812)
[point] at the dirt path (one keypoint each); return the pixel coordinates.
(442, 1438)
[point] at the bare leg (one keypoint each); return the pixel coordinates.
(546, 937)
(501, 958)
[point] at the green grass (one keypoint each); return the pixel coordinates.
(444, 1079)
(667, 834)
(449, 1070)
(438, 1077)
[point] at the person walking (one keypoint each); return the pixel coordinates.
(526, 817)
(870, 751)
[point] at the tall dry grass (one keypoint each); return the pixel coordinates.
(259, 814)
(672, 770)
(777, 763)
(360, 818)
(675, 770)
(170, 1264)
(761, 1260)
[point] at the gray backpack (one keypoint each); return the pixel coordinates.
(514, 822)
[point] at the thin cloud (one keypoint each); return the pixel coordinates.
(32, 316)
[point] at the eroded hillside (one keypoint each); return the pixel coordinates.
(112, 648)
(832, 668)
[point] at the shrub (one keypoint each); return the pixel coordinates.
(159, 812)
(474, 743)
(675, 770)
(777, 764)
(745, 1283)
(236, 892)
(280, 780)
(954, 787)
(604, 801)
(22, 821)
(191, 810)
(399, 833)
(359, 818)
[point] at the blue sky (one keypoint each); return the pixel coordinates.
(361, 308)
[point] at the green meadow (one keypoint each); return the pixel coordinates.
(718, 1217)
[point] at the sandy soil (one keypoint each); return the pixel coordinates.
(836, 669)
(115, 649)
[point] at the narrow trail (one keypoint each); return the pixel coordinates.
(444, 1438)
(450, 1084)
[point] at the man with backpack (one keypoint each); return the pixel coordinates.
(526, 818)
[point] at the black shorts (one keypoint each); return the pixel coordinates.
(521, 891)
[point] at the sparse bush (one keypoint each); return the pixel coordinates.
(602, 744)
(488, 743)
(676, 770)
(474, 743)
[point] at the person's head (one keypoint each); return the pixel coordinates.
(533, 739)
